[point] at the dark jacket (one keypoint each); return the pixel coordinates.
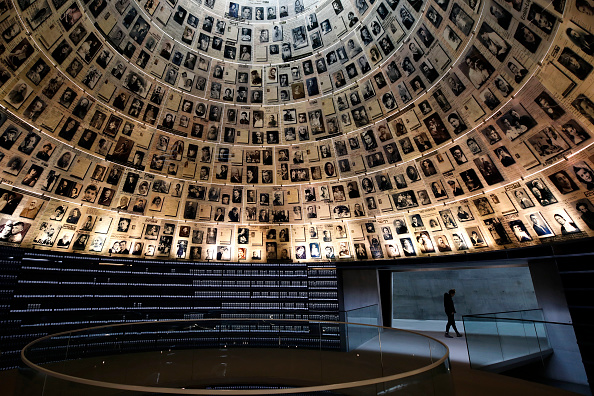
(448, 304)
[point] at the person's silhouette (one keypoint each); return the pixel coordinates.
(448, 304)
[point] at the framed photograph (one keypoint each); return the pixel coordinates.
(525, 36)
(483, 206)
(476, 237)
(476, 67)
(548, 143)
(19, 94)
(563, 223)
(563, 182)
(451, 37)
(519, 230)
(405, 200)
(461, 19)
(515, 122)
(541, 192)
(584, 105)
(539, 225)
(497, 231)
(496, 45)
(575, 64)
(47, 234)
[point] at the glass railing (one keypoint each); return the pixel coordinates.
(237, 357)
(357, 335)
(369, 314)
(498, 339)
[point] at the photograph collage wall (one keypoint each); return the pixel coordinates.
(295, 130)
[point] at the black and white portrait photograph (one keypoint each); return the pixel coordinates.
(461, 19)
(493, 42)
(539, 225)
(541, 18)
(563, 182)
(476, 67)
(575, 64)
(527, 37)
(515, 122)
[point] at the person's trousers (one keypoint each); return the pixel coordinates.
(451, 322)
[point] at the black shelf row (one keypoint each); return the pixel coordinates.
(47, 292)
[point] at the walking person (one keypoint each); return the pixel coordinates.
(448, 304)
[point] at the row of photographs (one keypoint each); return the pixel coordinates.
(93, 192)
(513, 124)
(200, 29)
(510, 126)
(114, 123)
(365, 196)
(432, 232)
(91, 44)
(124, 126)
(128, 191)
(208, 119)
(73, 214)
(297, 164)
(351, 43)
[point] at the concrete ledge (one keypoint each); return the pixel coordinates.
(516, 362)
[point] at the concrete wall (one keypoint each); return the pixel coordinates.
(419, 294)
(566, 363)
(361, 296)
(361, 304)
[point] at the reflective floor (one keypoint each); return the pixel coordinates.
(468, 381)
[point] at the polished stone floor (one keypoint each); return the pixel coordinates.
(469, 382)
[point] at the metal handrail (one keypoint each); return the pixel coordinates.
(153, 389)
(518, 320)
(502, 312)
